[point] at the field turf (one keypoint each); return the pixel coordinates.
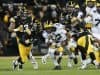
(44, 69)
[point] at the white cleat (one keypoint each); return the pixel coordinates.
(14, 64)
(83, 67)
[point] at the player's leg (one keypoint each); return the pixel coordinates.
(83, 56)
(71, 55)
(33, 61)
(69, 58)
(56, 65)
(15, 63)
(53, 55)
(60, 50)
(94, 59)
(18, 63)
(23, 56)
(97, 55)
(30, 56)
(59, 57)
(44, 58)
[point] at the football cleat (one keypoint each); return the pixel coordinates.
(20, 67)
(83, 67)
(14, 64)
(57, 68)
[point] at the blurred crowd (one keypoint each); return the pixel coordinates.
(38, 13)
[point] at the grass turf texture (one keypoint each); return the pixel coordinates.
(44, 69)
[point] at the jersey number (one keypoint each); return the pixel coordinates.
(98, 21)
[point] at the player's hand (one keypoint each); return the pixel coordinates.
(27, 41)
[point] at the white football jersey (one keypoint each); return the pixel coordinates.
(96, 25)
(96, 19)
(62, 33)
(90, 11)
(49, 37)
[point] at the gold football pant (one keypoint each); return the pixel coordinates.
(24, 52)
(97, 55)
(85, 42)
(86, 47)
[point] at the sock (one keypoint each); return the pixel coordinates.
(59, 60)
(55, 61)
(75, 60)
(33, 61)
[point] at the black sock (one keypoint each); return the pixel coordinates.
(59, 60)
(92, 56)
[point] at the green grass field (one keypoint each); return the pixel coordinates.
(44, 69)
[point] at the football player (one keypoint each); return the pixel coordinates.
(55, 47)
(90, 7)
(96, 30)
(71, 47)
(24, 47)
(85, 46)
